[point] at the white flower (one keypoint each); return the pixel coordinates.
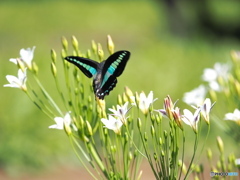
(121, 112)
(133, 100)
(219, 69)
(235, 116)
(112, 124)
(191, 119)
(206, 108)
(145, 102)
(237, 161)
(211, 75)
(66, 122)
(26, 55)
(17, 82)
(196, 96)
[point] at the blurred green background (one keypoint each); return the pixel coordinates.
(171, 43)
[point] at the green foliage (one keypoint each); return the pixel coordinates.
(174, 65)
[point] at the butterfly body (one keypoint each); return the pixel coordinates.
(105, 73)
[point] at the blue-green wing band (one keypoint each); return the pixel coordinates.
(87, 66)
(114, 65)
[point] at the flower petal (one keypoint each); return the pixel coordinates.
(196, 96)
(13, 60)
(59, 123)
(27, 55)
(112, 123)
(209, 75)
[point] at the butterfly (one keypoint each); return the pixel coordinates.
(104, 73)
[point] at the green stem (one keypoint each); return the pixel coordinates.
(148, 156)
(134, 143)
(98, 160)
(175, 149)
(73, 140)
(166, 158)
(39, 106)
(60, 92)
(48, 96)
(183, 152)
(194, 153)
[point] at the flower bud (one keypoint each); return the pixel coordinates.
(100, 52)
(184, 169)
(89, 99)
(110, 44)
(145, 136)
(75, 43)
(130, 156)
(88, 55)
(90, 107)
(165, 133)
(128, 92)
(77, 78)
(220, 144)
(209, 154)
(177, 117)
(152, 131)
(54, 69)
(76, 91)
(158, 118)
(160, 141)
(81, 122)
(197, 168)
(125, 137)
(81, 90)
(135, 153)
(101, 104)
(75, 53)
(152, 117)
(64, 43)
(155, 156)
(124, 97)
(119, 100)
(94, 47)
(89, 128)
(63, 54)
(168, 105)
(113, 148)
(35, 68)
(162, 153)
(53, 55)
(213, 94)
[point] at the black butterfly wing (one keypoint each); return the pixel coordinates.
(112, 68)
(107, 87)
(115, 64)
(87, 66)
